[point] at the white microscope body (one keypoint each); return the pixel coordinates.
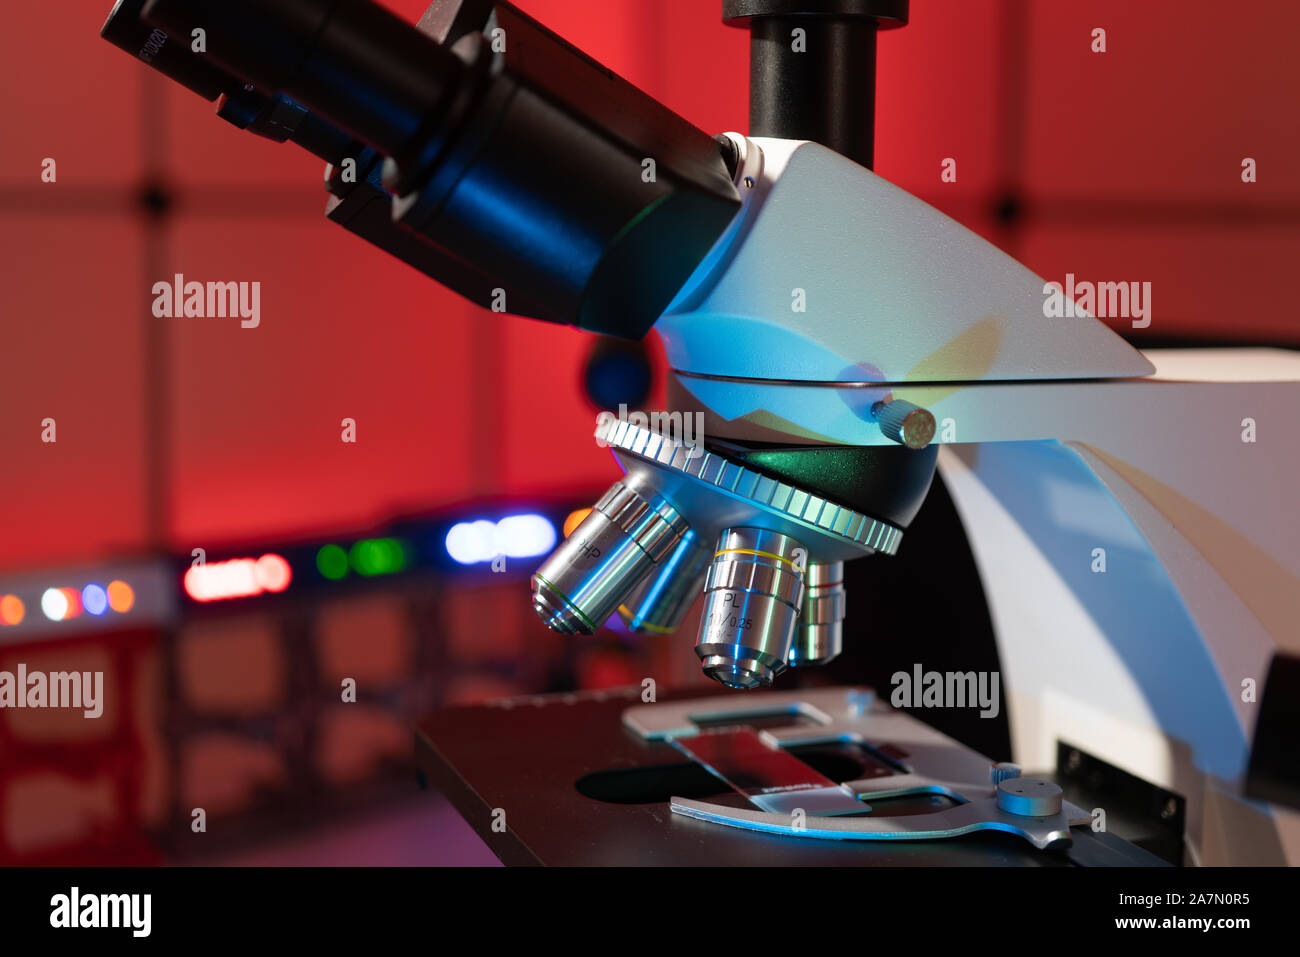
(1133, 516)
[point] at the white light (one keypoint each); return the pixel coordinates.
(55, 604)
(516, 536)
(472, 542)
(522, 536)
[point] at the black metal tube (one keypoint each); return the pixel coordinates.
(349, 61)
(537, 179)
(812, 68)
(816, 85)
(125, 29)
(259, 111)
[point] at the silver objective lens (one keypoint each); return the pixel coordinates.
(630, 530)
(658, 605)
(752, 593)
(819, 636)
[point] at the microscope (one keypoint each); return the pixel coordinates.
(1131, 515)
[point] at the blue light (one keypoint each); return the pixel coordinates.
(515, 536)
(617, 373)
(94, 599)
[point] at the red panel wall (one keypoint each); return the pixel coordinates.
(1123, 165)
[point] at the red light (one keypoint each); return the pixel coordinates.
(74, 602)
(237, 578)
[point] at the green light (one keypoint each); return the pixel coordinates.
(377, 556)
(332, 561)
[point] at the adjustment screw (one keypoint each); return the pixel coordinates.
(905, 423)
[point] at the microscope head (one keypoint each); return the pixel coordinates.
(810, 345)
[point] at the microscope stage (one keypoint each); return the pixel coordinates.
(600, 778)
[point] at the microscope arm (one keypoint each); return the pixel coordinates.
(1135, 533)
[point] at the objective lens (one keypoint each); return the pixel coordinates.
(752, 594)
(819, 636)
(631, 529)
(658, 605)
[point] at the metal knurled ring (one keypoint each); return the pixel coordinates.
(643, 515)
(761, 490)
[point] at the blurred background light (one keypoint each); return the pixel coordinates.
(377, 556)
(273, 573)
(523, 536)
(121, 597)
(237, 578)
(73, 597)
(11, 610)
(332, 562)
(472, 542)
(617, 372)
(95, 599)
(54, 603)
(515, 536)
(574, 519)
